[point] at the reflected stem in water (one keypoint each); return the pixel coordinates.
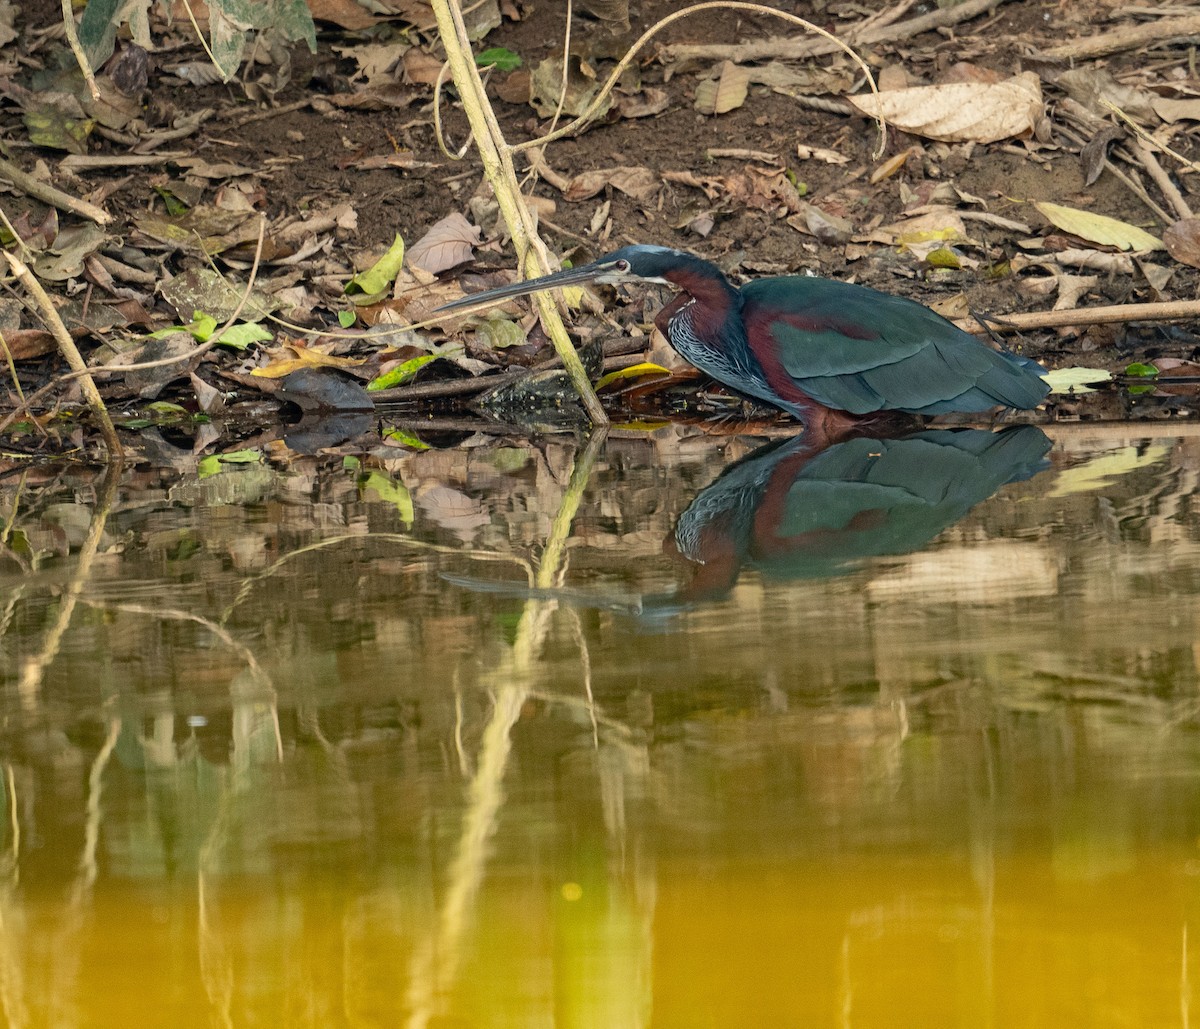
(374, 537)
(34, 672)
(12, 972)
(435, 965)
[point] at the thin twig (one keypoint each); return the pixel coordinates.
(438, 134)
(80, 58)
(496, 155)
(1161, 179)
(865, 33)
(26, 253)
(71, 352)
(12, 368)
(225, 76)
(592, 109)
(1143, 134)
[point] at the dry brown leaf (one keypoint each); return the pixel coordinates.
(345, 14)
(1176, 110)
(725, 92)
(650, 101)
(1092, 86)
(545, 86)
(515, 88)
(818, 153)
(421, 68)
(376, 61)
(1182, 241)
(640, 183)
(710, 186)
(960, 112)
(965, 71)
(448, 243)
(828, 228)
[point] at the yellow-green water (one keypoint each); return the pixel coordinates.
(323, 745)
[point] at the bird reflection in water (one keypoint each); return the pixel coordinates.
(794, 510)
(791, 512)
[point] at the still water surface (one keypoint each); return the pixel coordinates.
(671, 731)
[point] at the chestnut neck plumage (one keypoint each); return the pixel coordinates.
(703, 323)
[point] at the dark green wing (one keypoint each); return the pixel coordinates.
(858, 350)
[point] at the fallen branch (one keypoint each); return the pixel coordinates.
(49, 194)
(1128, 37)
(1168, 311)
(790, 49)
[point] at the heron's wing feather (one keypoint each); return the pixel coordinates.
(857, 350)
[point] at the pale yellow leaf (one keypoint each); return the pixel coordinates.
(635, 371)
(305, 358)
(1098, 228)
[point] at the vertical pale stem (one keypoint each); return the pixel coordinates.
(498, 167)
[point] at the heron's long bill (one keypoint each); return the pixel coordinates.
(567, 277)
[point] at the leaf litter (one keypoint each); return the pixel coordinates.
(1007, 181)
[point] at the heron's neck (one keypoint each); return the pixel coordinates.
(706, 283)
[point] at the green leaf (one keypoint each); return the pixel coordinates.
(241, 335)
(202, 326)
(402, 373)
(176, 208)
(497, 333)
(241, 457)
(98, 29)
(498, 57)
(56, 131)
(381, 274)
(1141, 371)
(346, 318)
(164, 407)
(214, 463)
(406, 439)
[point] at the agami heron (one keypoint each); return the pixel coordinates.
(827, 352)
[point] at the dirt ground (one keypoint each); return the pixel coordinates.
(380, 156)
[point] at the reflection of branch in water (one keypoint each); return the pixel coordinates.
(374, 537)
(91, 836)
(585, 659)
(224, 636)
(66, 950)
(12, 979)
(34, 671)
(216, 964)
(216, 958)
(435, 965)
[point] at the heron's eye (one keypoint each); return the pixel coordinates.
(622, 266)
